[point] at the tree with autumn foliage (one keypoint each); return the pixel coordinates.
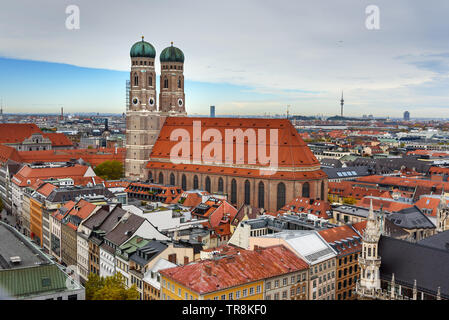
(109, 288)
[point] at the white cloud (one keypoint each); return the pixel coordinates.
(279, 46)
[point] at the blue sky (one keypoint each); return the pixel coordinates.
(244, 57)
(46, 86)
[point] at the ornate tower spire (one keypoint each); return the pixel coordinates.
(393, 287)
(442, 212)
(415, 290)
(369, 260)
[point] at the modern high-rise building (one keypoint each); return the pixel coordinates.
(212, 111)
(407, 116)
(144, 118)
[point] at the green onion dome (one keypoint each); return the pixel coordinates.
(172, 54)
(142, 49)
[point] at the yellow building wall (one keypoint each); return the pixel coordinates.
(210, 296)
(36, 218)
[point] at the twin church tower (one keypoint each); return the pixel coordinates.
(146, 114)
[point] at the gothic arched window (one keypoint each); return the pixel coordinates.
(179, 82)
(233, 191)
(247, 192)
(172, 179)
(306, 190)
(220, 185)
(184, 182)
(261, 195)
(150, 81)
(136, 79)
(161, 178)
(208, 184)
(150, 176)
(280, 195)
(195, 182)
(166, 83)
(322, 190)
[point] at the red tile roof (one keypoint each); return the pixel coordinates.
(236, 269)
(430, 204)
(68, 206)
(8, 153)
(347, 189)
(82, 209)
(292, 150)
(17, 132)
(386, 204)
(438, 170)
(307, 205)
(46, 189)
(341, 233)
(58, 139)
(92, 156)
(404, 182)
(116, 184)
(27, 174)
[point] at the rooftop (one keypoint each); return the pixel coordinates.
(236, 269)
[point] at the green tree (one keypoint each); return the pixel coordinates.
(109, 288)
(110, 170)
(93, 284)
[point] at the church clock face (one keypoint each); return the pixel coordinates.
(151, 102)
(135, 101)
(180, 102)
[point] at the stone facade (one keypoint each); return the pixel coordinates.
(144, 118)
(293, 189)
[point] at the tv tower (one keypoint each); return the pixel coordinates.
(342, 102)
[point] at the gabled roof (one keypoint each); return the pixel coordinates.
(27, 174)
(104, 219)
(82, 209)
(293, 152)
(387, 204)
(13, 133)
(124, 229)
(343, 239)
(46, 189)
(58, 139)
(250, 211)
(8, 153)
(429, 203)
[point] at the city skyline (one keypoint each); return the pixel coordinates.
(296, 54)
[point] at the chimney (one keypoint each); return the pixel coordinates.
(172, 258)
(208, 269)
